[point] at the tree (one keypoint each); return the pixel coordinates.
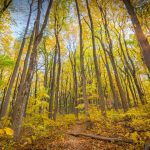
(112, 59)
(72, 57)
(23, 96)
(12, 80)
(143, 42)
(82, 65)
(97, 70)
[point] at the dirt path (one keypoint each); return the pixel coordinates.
(79, 143)
(70, 142)
(74, 143)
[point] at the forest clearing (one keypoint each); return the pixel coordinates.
(74, 74)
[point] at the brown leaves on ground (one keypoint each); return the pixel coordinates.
(68, 142)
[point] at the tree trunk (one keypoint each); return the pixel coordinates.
(111, 56)
(143, 42)
(36, 81)
(15, 89)
(97, 70)
(133, 72)
(75, 81)
(58, 77)
(52, 86)
(25, 67)
(22, 100)
(12, 80)
(82, 66)
(114, 91)
(46, 66)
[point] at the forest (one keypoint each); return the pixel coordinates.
(75, 74)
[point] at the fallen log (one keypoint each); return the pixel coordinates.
(97, 137)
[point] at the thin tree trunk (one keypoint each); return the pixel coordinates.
(36, 81)
(114, 92)
(75, 81)
(111, 56)
(133, 73)
(46, 66)
(25, 67)
(97, 70)
(82, 66)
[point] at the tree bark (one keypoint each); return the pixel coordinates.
(36, 81)
(133, 73)
(112, 59)
(143, 42)
(12, 80)
(58, 76)
(97, 70)
(52, 85)
(82, 65)
(45, 65)
(114, 91)
(22, 100)
(75, 81)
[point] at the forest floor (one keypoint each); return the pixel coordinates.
(83, 143)
(45, 134)
(69, 142)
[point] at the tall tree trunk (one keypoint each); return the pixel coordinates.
(46, 66)
(25, 67)
(132, 71)
(132, 90)
(82, 66)
(12, 80)
(114, 91)
(58, 77)
(75, 81)
(143, 42)
(120, 88)
(22, 100)
(97, 70)
(111, 56)
(124, 83)
(52, 85)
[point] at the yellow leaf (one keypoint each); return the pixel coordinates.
(134, 136)
(9, 131)
(29, 140)
(2, 132)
